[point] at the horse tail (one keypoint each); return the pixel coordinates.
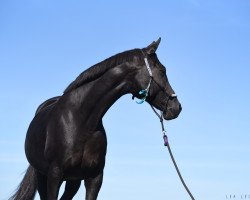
(27, 188)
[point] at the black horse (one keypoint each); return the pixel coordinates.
(66, 140)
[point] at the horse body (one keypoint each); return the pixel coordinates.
(66, 139)
(70, 132)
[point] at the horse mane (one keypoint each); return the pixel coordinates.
(100, 68)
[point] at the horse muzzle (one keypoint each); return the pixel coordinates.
(173, 109)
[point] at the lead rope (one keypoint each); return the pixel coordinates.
(166, 143)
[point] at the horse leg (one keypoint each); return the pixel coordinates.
(93, 186)
(54, 181)
(42, 185)
(71, 188)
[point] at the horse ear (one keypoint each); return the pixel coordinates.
(153, 46)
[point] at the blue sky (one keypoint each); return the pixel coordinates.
(205, 46)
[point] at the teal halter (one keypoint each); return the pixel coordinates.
(145, 92)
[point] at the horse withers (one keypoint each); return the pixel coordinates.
(66, 140)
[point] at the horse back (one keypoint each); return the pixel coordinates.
(48, 102)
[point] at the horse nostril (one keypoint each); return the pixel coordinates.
(180, 108)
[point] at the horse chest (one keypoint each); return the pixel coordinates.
(94, 151)
(91, 161)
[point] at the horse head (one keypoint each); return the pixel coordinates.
(151, 83)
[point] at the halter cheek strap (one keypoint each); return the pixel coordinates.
(148, 67)
(146, 91)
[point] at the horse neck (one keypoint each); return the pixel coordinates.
(95, 98)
